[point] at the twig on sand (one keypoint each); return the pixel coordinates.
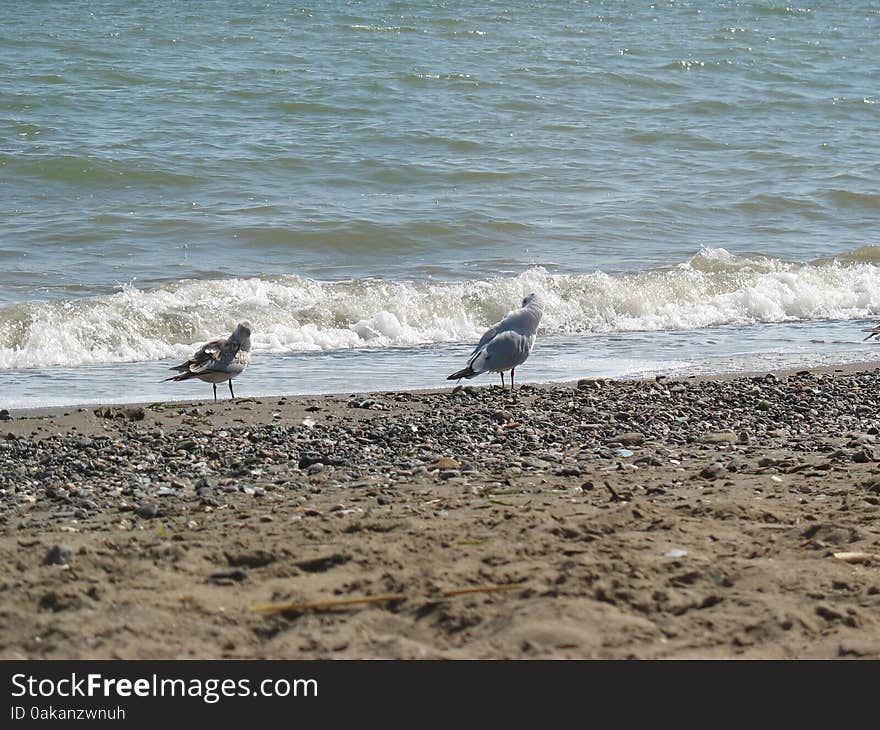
(334, 603)
(615, 497)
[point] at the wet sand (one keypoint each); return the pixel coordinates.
(730, 517)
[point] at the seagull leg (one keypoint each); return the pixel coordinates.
(230, 389)
(512, 371)
(501, 373)
(215, 391)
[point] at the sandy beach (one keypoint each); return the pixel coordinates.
(632, 519)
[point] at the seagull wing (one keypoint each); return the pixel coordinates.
(215, 355)
(506, 350)
(486, 338)
(208, 356)
(510, 322)
(874, 331)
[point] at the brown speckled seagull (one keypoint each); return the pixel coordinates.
(219, 360)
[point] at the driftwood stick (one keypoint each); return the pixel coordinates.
(615, 497)
(480, 589)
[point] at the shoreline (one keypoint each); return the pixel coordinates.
(656, 518)
(486, 382)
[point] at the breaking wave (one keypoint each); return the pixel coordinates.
(293, 313)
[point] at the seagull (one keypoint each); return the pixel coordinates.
(875, 332)
(219, 360)
(506, 345)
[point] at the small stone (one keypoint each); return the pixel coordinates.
(590, 383)
(4, 415)
(718, 437)
(147, 511)
(58, 555)
(713, 471)
(675, 553)
(630, 438)
(863, 456)
(308, 458)
(444, 463)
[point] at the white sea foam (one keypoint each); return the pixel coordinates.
(292, 313)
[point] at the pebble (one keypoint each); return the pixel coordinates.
(445, 463)
(713, 471)
(718, 437)
(558, 429)
(630, 438)
(863, 456)
(569, 471)
(58, 555)
(675, 553)
(147, 511)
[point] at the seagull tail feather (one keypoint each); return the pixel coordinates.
(467, 372)
(182, 376)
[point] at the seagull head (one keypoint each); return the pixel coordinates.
(242, 331)
(533, 297)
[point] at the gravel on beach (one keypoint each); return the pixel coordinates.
(655, 518)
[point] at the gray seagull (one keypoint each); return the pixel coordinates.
(219, 360)
(507, 345)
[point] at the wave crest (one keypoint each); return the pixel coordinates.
(293, 313)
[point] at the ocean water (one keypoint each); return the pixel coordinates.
(692, 187)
